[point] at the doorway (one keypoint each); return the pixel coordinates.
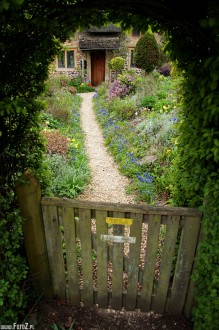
(97, 67)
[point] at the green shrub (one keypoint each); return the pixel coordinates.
(13, 265)
(148, 101)
(117, 63)
(122, 108)
(146, 53)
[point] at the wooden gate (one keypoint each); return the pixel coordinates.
(119, 255)
(112, 255)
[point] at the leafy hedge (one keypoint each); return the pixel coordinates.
(196, 178)
(30, 35)
(196, 171)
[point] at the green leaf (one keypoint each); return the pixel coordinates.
(213, 85)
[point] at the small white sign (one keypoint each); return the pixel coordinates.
(118, 239)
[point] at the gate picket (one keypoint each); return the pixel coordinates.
(72, 290)
(117, 280)
(86, 254)
(158, 303)
(133, 261)
(102, 259)
(150, 261)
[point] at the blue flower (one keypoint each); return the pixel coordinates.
(175, 119)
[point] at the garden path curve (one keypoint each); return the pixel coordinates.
(107, 184)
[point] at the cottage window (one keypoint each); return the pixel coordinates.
(66, 59)
(61, 60)
(70, 59)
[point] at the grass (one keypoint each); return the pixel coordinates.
(140, 130)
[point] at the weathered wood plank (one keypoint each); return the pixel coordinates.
(55, 250)
(189, 236)
(86, 253)
(117, 283)
(29, 197)
(190, 298)
(133, 262)
(133, 208)
(158, 305)
(102, 259)
(151, 254)
(72, 290)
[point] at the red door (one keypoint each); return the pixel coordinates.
(97, 67)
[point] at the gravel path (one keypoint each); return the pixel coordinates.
(107, 184)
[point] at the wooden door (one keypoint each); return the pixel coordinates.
(97, 67)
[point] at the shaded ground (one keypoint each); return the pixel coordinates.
(59, 312)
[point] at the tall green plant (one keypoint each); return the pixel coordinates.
(146, 53)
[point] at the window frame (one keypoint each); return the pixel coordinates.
(66, 68)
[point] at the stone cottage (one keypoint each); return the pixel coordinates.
(87, 54)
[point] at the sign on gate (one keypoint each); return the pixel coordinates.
(118, 239)
(119, 221)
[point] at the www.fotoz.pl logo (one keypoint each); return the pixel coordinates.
(16, 326)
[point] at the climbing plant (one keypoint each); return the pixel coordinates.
(31, 32)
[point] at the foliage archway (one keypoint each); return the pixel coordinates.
(30, 36)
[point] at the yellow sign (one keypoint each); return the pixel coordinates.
(119, 221)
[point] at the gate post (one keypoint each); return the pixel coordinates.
(29, 197)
